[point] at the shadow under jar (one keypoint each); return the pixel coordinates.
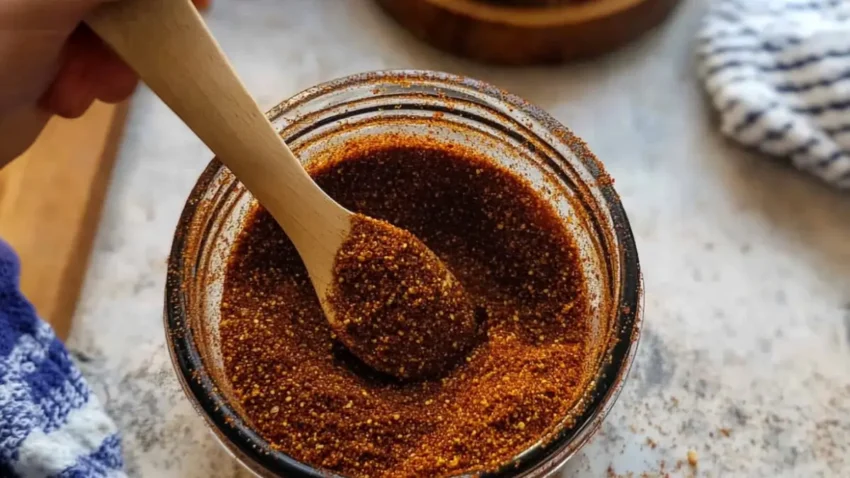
(424, 110)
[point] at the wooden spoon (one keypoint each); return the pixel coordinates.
(167, 43)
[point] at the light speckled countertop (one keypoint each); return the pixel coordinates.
(746, 263)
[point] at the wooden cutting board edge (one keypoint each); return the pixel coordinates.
(51, 199)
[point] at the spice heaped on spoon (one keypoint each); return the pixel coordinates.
(396, 305)
(167, 43)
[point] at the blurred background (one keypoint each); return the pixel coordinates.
(746, 342)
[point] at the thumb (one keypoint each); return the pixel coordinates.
(57, 16)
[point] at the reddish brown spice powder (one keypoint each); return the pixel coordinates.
(396, 306)
(311, 399)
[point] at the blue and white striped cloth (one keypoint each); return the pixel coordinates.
(51, 424)
(778, 72)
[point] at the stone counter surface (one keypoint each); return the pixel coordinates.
(745, 355)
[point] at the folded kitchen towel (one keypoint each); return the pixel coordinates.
(778, 72)
(51, 424)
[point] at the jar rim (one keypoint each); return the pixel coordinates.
(226, 423)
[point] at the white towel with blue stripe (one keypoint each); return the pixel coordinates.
(778, 72)
(51, 424)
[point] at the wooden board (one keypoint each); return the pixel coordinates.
(521, 32)
(50, 203)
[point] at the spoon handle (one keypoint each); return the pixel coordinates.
(167, 43)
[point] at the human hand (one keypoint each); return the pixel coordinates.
(52, 64)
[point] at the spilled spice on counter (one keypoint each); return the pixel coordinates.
(693, 458)
(313, 400)
(396, 306)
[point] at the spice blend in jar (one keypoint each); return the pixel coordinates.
(312, 399)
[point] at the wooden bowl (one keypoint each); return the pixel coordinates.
(522, 32)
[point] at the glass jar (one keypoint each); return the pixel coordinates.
(451, 109)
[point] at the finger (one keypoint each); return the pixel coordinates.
(73, 89)
(113, 79)
(73, 92)
(120, 80)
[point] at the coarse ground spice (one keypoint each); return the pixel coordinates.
(311, 399)
(396, 306)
